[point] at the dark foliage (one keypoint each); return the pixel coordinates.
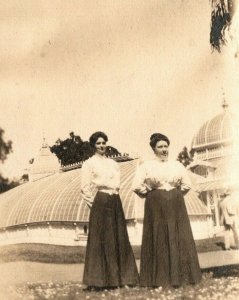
(6, 184)
(74, 150)
(5, 149)
(185, 157)
(25, 177)
(221, 16)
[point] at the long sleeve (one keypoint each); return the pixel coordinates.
(117, 178)
(86, 183)
(99, 174)
(139, 186)
(185, 181)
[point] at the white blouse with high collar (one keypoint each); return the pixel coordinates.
(156, 174)
(99, 173)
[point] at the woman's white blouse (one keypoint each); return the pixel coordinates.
(155, 174)
(99, 174)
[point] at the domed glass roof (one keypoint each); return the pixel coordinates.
(222, 128)
(57, 198)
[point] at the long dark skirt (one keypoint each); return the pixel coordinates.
(168, 253)
(109, 258)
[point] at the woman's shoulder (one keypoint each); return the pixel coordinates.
(176, 163)
(89, 161)
(112, 162)
(176, 166)
(147, 163)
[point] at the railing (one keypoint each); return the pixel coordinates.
(121, 157)
(71, 167)
(117, 158)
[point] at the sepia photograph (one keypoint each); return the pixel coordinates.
(119, 149)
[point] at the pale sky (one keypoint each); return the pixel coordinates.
(129, 68)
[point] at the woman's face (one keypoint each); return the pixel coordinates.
(100, 146)
(161, 150)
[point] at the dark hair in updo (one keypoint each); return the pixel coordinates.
(94, 137)
(156, 137)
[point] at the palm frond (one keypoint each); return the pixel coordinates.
(221, 17)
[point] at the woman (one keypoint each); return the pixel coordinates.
(168, 253)
(229, 215)
(109, 258)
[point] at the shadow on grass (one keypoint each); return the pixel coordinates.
(223, 271)
(42, 253)
(76, 254)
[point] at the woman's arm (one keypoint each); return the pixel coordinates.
(86, 183)
(139, 186)
(185, 181)
(117, 177)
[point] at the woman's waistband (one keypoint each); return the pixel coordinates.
(167, 189)
(108, 191)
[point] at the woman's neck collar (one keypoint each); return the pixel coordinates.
(160, 159)
(99, 155)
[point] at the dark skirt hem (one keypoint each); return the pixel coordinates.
(168, 253)
(109, 257)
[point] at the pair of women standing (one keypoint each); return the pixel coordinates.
(168, 255)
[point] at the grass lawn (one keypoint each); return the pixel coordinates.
(214, 286)
(75, 254)
(217, 283)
